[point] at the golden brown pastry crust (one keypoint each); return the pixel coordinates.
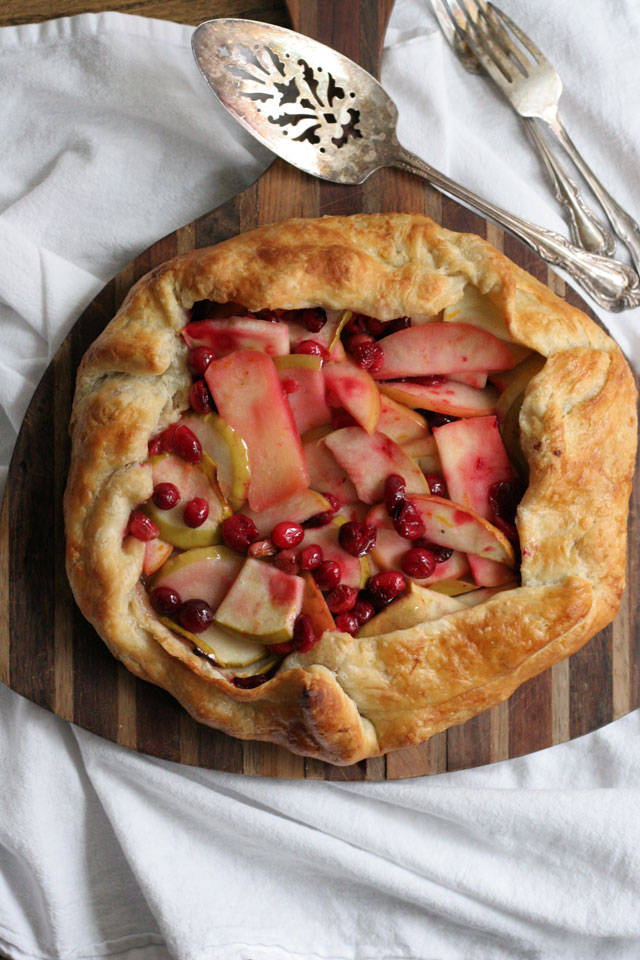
(353, 698)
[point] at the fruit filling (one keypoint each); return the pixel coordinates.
(333, 471)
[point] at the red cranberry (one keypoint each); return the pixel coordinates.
(186, 444)
(287, 561)
(432, 380)
(342, 418)
(437, 486)
(310, 557)
(355, 324)
(200, 398)
(419, 563)
(322, 519)
(282, 649)
(376, 327)
(363, 611)
(394, 492)
(386, 586)
(313, 348)
(166, 439)
(504, 497)
(341, 599)
(287, 534)
(368, 356)
(165, 601)
(166, 495)
(199, 359)
(440, 419)
(441, 554)
(141, 527)
(155, 446)
(196, 512)
(327, 574)
(347, 623)
(407, 521)
(398, 323)
(238, 532)
(195, 615)
(314, 319)
(358, 338)
(357, 538)
(304, 636)
(249, 683)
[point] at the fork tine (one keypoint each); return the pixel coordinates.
(501, 38)
(526, 42)
(497, 65)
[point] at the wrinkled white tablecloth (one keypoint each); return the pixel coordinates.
(109, 139)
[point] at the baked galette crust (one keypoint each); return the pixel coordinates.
(350, 698)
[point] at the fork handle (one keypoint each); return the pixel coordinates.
(623, 224)
(611, 283)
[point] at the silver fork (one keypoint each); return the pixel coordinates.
(587, 230)
(529, 81)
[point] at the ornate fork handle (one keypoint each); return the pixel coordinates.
(611, 283)
(624, 225)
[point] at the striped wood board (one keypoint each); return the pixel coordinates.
(49, 654)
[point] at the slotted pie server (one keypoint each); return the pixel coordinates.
(326, 115)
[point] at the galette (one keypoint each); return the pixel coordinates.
(339, 484)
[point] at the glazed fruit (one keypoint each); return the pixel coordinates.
(238, 532)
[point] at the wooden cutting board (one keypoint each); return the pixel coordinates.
(48, 652)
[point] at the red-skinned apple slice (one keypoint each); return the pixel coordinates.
(368, 461)
(459, 527)
(297, 508)
(390, 547)
(305, 389)
(351, 387)
(445, 396)
(401, 423)
(326, 474)
(441, 348)
(238, 333)
(248, 394)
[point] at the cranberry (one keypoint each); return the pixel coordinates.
(238, 532)
(327, 574)
(347, 623)
(313, 348)
(441, 554)
(398, 323)
(314, 319)
(341, 599)
(322, 519)
(419, 563)
(166, 495)
(355, 324)
(504, 497)
(394, 492)
(249, 683)
(437, 486)
(287, 561)
(262, 549)
(287, 534)
(376, 327)
(368, 356)
(440, 419)
(358, 338)
(342, 418)
(363, 611)
(141, 527)
(195, 615)
(166, 439)
(432, 380)
(200, 398)
(304, 636)
(357, 538)
(310, 557)
(199, 359)
(155, 446)
(186, 444)
(407, 521)
(386, 586)
(165, 601)
(196, 512)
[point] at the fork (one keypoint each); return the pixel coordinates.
(530, 83)
(587, 230)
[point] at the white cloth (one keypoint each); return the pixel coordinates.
(109, 140)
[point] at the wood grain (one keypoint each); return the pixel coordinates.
(51, 655)
(14, 12)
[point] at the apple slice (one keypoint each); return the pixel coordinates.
(155, 553)
(304, 386)
(455, 588)
(477, 309)
(355, 571)
(297, 508)
(263, 603)
(444, 396)
(401, 423)
(227, 651)
(424, 447)
(368, 460)
(416, 606)
(325, 473)
(518, 377)
(439, 348)
(238, 333)
(247, 392)
(205, 573)
(351, 387)
(327, 336)
(191, 481)
(315, 607)
(390, 548)
(473, 379)
(459, 527)
(474, 597)
(228, 451)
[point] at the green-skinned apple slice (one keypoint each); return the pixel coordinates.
(238, 333)
(352, 388)
(355, 571)
(191, 481)
(441, 348)
(460, 528)
(477, 309)
(205, 573)
(400, 422)
(263, 603)
(227, 651)
(228, 451)
(260, 666)
(326, 474)
(417, 605)
(305, 390)
(368, 461)
(156, 552)
(247, 392)
(297, 508)
(444, 396)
